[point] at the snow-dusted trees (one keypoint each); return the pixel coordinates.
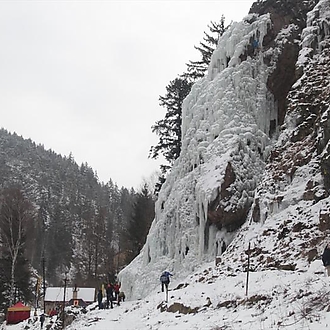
(80, 223)
(144, 213)
(16, 218)
(59, 243)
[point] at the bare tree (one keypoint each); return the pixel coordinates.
(16, 214)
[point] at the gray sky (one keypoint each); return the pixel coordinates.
(85, 76)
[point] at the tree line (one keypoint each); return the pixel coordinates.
(56, 213)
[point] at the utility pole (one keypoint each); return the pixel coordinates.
(63, 315)
(44, 281)
(248, 270)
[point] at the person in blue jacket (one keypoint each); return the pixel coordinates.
(165, 279)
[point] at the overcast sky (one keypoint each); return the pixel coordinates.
(85, 76)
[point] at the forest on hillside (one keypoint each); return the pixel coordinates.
(57, 219)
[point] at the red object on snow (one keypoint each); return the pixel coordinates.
(17, 313)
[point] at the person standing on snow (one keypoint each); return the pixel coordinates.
(116, 288)
(42, 320)
(326, 259)
(109, 295)
(99, 299)
(165, 280)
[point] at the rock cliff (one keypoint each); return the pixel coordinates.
(254, 165)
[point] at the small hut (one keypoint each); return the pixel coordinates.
(17, 313)
(73, 296)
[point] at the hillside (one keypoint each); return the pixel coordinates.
(75, 215)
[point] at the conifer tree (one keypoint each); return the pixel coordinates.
(197, 69)
(169, 128)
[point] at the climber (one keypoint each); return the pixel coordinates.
(255, 46)
(165, 279)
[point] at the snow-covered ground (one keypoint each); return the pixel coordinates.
(275, 300)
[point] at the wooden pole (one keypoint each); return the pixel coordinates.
(63, 315)
(247, 271)
(44, 281)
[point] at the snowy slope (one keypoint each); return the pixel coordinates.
(276, 299)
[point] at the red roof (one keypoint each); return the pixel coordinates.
(19, 307)
(17, 313)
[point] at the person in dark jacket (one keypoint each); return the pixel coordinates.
(326, 259)
(99, 299)
(165, 280)
(42, 320)
(109, 295)
(116, 289)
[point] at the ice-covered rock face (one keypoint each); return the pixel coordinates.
(228, 123)
(318, 27)
(292, 200)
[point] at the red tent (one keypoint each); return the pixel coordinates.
(17, 313)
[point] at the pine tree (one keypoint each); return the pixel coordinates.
(197, 69)
(169, 128)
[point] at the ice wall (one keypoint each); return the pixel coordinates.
(226, 119)
(318, 28)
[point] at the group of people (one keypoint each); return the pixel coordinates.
(112, 294)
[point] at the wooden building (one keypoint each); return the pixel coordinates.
(73, 297)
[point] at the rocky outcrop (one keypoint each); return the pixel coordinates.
(177, 308)
(284, 12)
(290, 15)
(311, 104)
(299, 164)
(280, 52)
(218, 215)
